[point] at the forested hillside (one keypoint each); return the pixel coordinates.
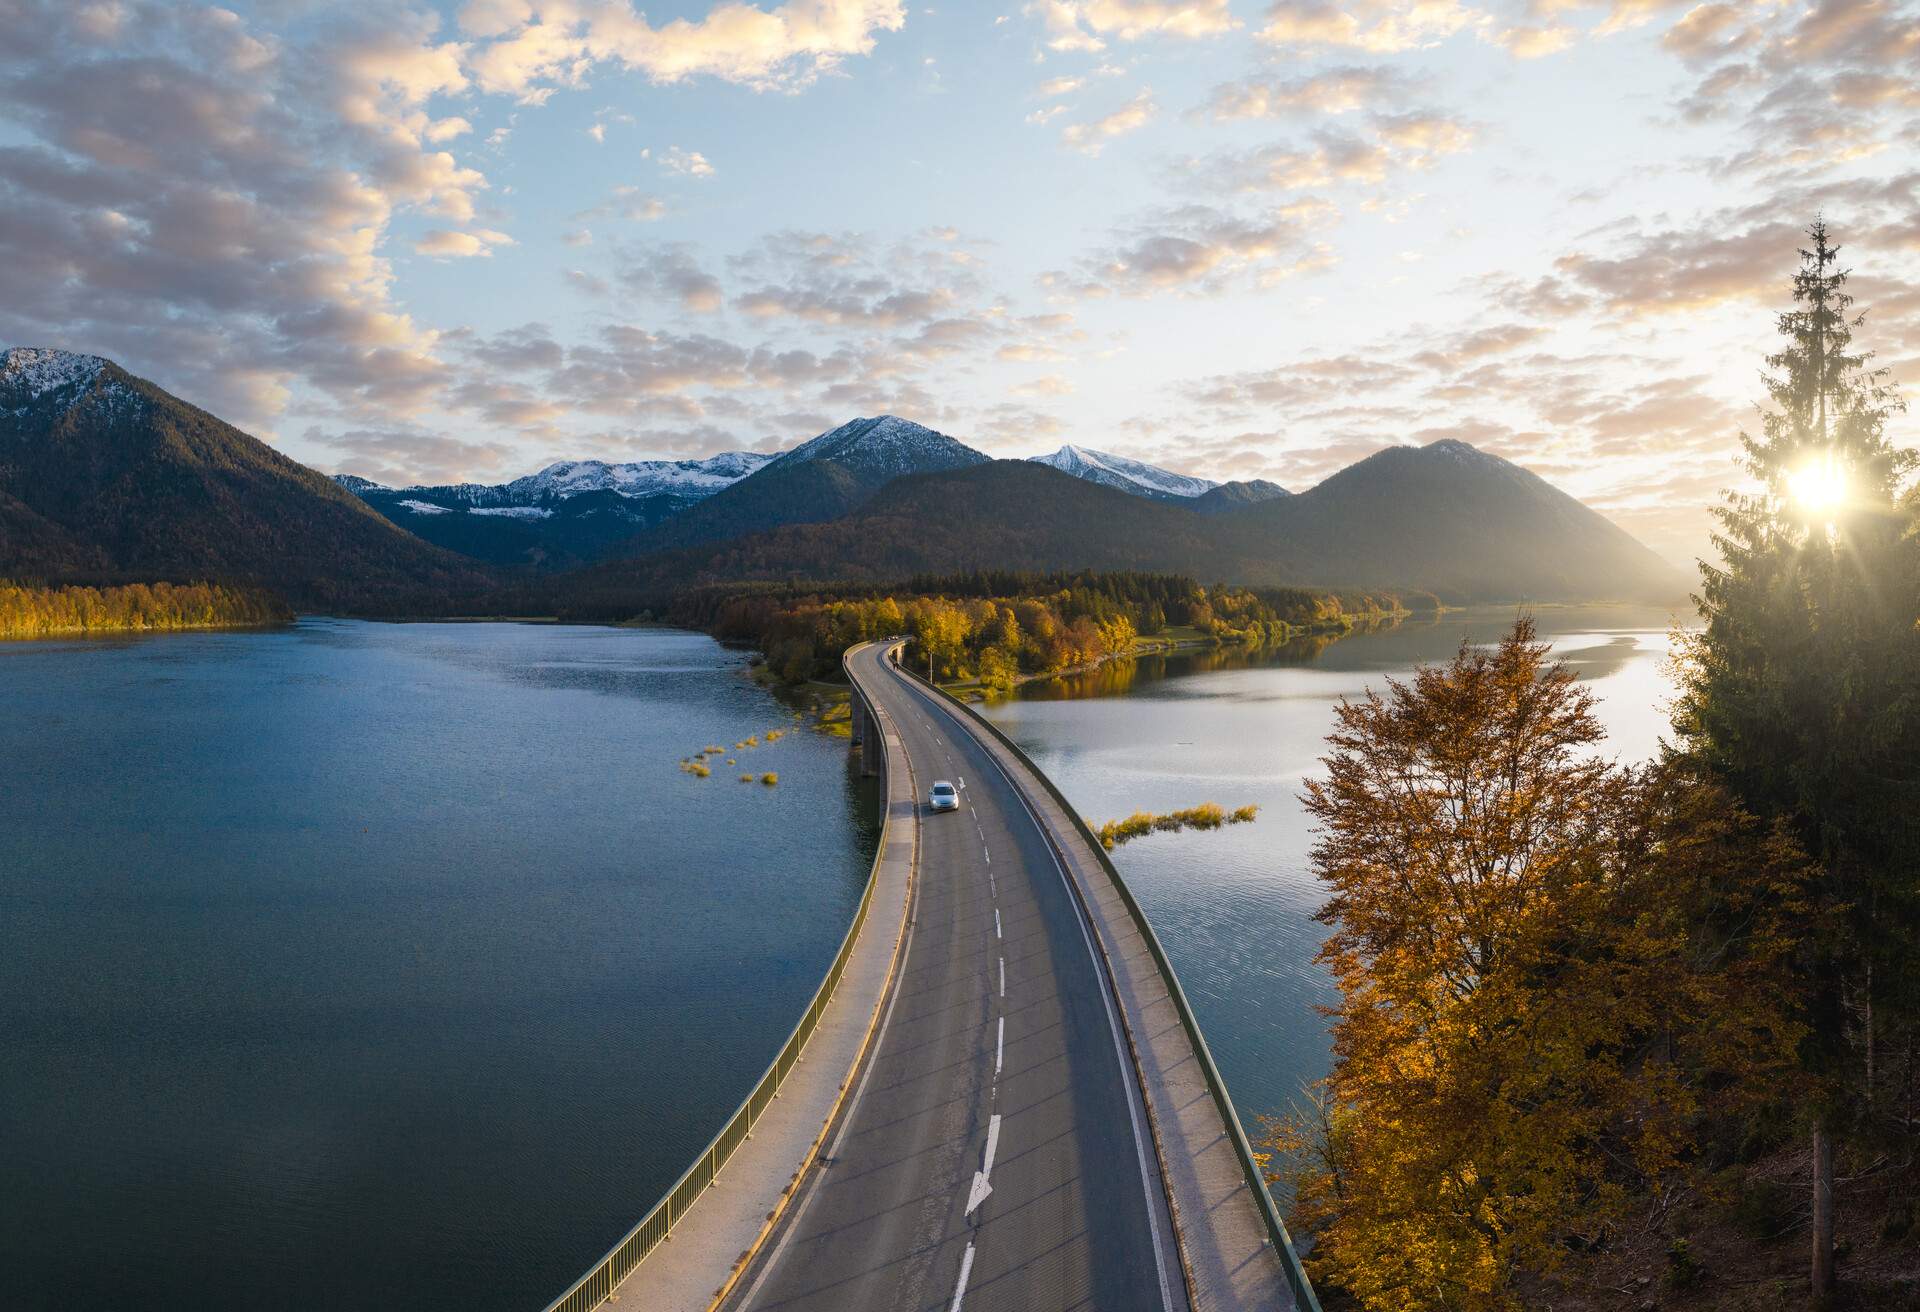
(28, 612)
(1477, 529)
(105, 478)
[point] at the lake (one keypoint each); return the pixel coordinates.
(1234, 907)
(361, 965)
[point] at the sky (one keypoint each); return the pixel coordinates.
(1234, 237)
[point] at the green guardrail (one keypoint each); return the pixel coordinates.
(1270, 1212)
(605, 1276)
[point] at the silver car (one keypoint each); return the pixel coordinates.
(943, 796)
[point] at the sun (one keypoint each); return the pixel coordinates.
(1819, 485)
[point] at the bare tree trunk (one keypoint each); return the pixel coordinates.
(1822, 1211)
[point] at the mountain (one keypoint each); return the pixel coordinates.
(691, 479)
(880, 449)
(563, 516)
(1126, 474)
(823, 478)
(1003, 514)
(1456, 521)
(104, 477)
(1445, 518)
(1235, 495)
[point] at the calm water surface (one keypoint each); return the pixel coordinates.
(1234, 908)
(393, 966)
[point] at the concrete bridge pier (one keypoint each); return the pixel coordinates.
(866, 733)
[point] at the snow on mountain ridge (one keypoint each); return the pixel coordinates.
(884, 447)
(41, 370)
(638, 478)
(1124, 473)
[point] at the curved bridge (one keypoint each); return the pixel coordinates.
(1029, 1118)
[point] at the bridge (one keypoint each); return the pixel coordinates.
(999, 1098)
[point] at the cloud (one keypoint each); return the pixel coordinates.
(209, 206)
(1375, 26)
(528, 348)
(522, 49)
(626, 202)
(1199, 250)
(1535, 42)
(1130, 117)
(1814, 87)
(1331, 91)
(1046, 385)
(1332, 157)
(1668, 271)
(401, 457)
(672, 273)
(446, 244)
(841, 280)
(1080, 24)
(686, 163)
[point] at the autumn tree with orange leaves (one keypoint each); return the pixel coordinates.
(1552, 972)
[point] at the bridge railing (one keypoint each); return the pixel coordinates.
(1256, 1181)
(605, 1276)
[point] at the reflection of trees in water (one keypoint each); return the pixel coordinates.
(1114, 677)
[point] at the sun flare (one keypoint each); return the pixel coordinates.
(1820, 485)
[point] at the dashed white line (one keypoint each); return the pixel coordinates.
(996, 923)
(960, 1290)
(999, 1050)
(1003, 977)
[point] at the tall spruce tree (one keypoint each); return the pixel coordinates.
(1802, 693)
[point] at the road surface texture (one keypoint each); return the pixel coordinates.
(995, 1153)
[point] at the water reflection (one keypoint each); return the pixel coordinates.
(1240, 726)
(363, 965)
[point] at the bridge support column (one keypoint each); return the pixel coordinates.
(869, 742)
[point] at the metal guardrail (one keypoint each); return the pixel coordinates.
(606, 1274)
(1276, 1228)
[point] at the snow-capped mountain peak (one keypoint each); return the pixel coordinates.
(31, 372)
(1124, 473)
(33, 377)
(885, 447)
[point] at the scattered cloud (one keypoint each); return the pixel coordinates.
(671, 274)
(686, 163)
(447, 244)
(1331, 91)
(1199, 250)
(527, 48)
(1130, 117)
(1374, 26)
(1085, 24)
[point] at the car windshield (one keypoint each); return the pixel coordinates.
(944, 790)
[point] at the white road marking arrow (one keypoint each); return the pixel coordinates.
(978, 1194)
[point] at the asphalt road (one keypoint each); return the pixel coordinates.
(994, 1154)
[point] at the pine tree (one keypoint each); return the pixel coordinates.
(1802, 692)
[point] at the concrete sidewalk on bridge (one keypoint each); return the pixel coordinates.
(1232, 1265)
(700, 1259)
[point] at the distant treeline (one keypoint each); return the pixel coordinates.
(27, 611)
(999, 626)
